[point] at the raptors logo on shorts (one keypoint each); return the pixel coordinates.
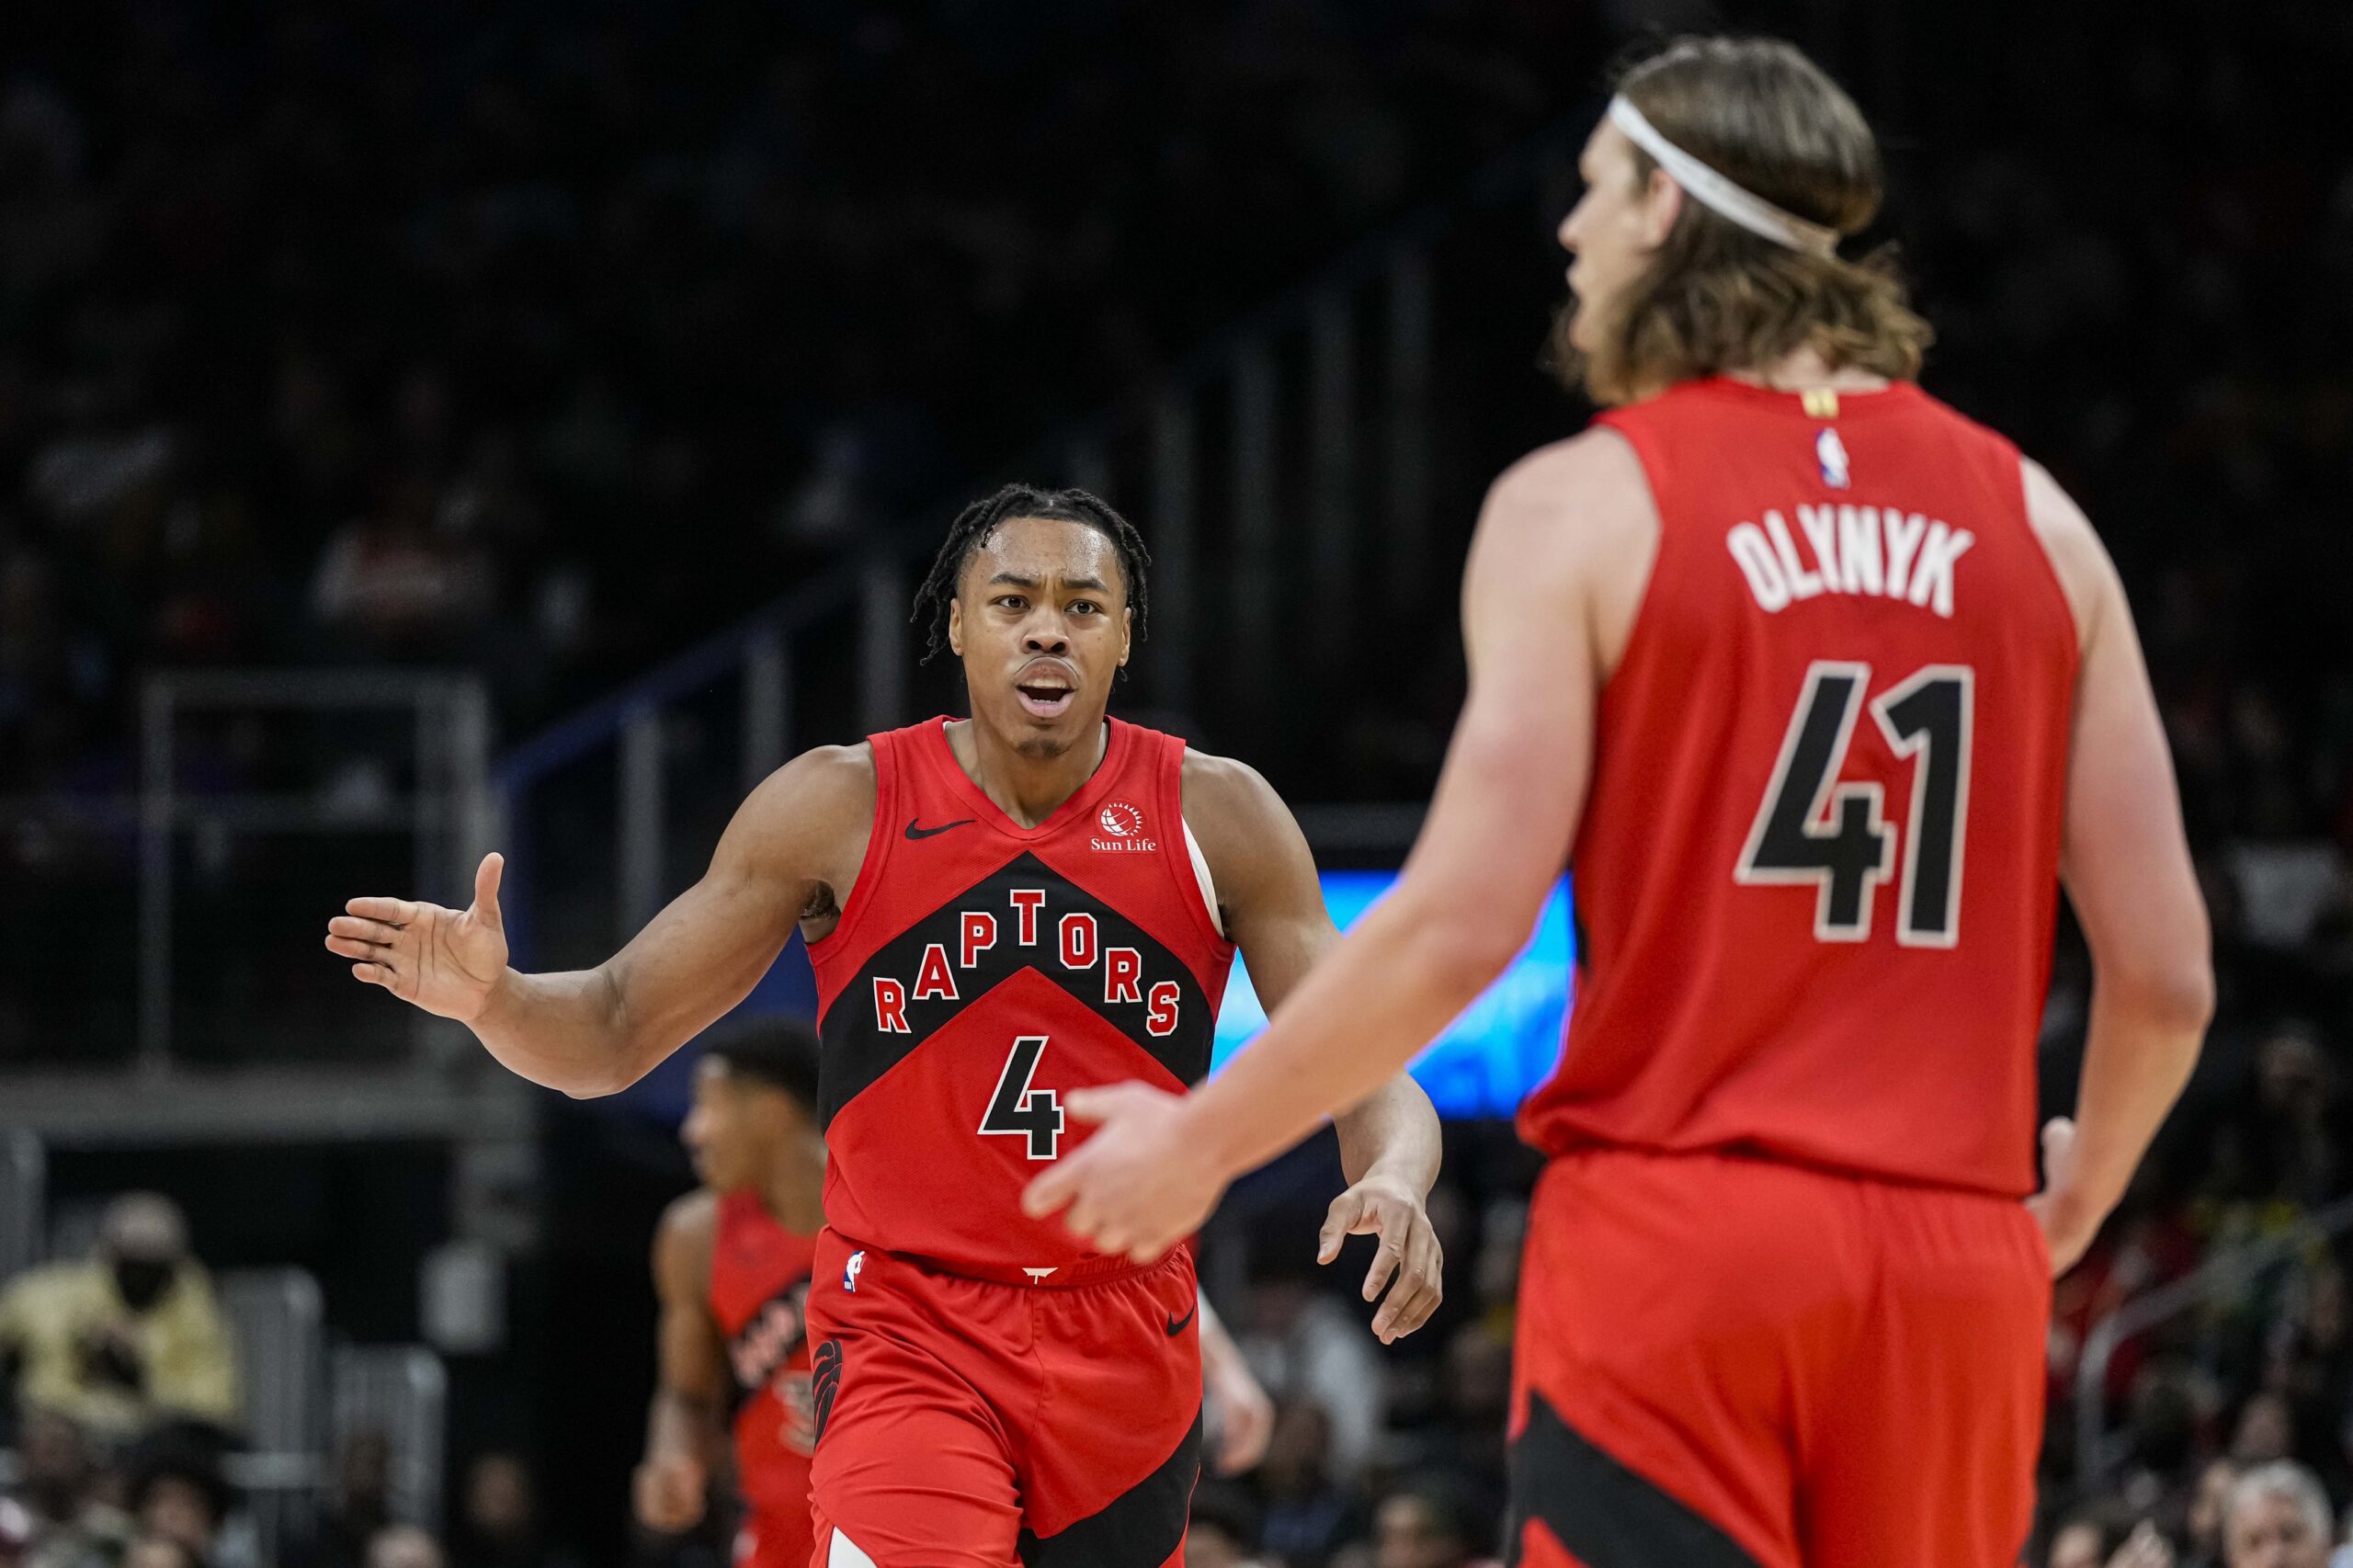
(824, 1382)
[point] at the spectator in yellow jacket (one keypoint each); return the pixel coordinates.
(127, 1338)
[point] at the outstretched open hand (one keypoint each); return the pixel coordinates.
(444, 961)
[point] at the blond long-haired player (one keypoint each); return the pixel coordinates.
(1820, 690)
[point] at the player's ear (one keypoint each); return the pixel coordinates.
(956, 627)
(1127, 635)
(1662, 205)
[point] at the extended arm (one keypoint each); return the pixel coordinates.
(684, 1434)
(1498, 832)
(596, 1032)
(2126, 865)
(1497, 835)
(1274, 910)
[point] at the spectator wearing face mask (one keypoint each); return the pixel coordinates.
(128, 1339)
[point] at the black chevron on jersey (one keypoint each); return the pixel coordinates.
(856, 1051)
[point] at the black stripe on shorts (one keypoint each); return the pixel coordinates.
(1605, 1515)
(1139, 1529)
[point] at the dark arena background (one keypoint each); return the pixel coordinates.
(427, 427)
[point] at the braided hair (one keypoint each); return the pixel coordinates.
(976, 522)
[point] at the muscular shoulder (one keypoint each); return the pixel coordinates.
(825, 777)
(683, 1244)
(1230, 802)
(1253, 844)
(822, 800)
(1571, 497)
(2077, 558)
(1567, 537)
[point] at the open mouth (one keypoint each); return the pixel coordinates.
(1045, 697)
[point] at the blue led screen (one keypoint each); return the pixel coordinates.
(1499, 1050)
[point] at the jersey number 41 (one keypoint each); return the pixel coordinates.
(1811, 828)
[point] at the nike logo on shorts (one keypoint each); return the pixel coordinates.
(914, 832)
(1178, 1325)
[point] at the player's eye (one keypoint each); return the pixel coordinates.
(1083, 606)
(1012, 601)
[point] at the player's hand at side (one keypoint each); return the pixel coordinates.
(1408, 1253)
(2067, 1227)
(668, 1491)
(1139, 1186)
(1245, 1417)
(444, 961)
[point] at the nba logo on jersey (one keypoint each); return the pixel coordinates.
(1831, 453)
(850, 1271)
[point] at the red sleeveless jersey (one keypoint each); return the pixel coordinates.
(981, 971)
(759, 1293)
(1816, 877)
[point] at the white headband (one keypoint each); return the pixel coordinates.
(1718, 193)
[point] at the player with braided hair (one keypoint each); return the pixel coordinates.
(972, 526)
(1000, 909)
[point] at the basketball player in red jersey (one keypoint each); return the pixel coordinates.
(731, 1266)
(1000, 911)
(1820, 690)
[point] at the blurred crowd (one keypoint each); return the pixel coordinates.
(544, 338)
(1378, 1458)
(120, 1433)
(539, 337)
(166, 1502)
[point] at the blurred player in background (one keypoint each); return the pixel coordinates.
(731, 1268)
(1826, 687)
(999, 911)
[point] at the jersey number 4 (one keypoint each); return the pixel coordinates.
(1813, 829)
(1017, 1110)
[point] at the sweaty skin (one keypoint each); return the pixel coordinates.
(1040, 611)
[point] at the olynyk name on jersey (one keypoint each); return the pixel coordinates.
(1881, 551)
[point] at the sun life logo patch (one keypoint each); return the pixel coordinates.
(1121, 830)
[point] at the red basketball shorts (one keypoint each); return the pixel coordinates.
(1734, 1363)
(980, 1424)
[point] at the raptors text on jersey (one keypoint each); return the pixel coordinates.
(982, 971)
(1816, 876)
